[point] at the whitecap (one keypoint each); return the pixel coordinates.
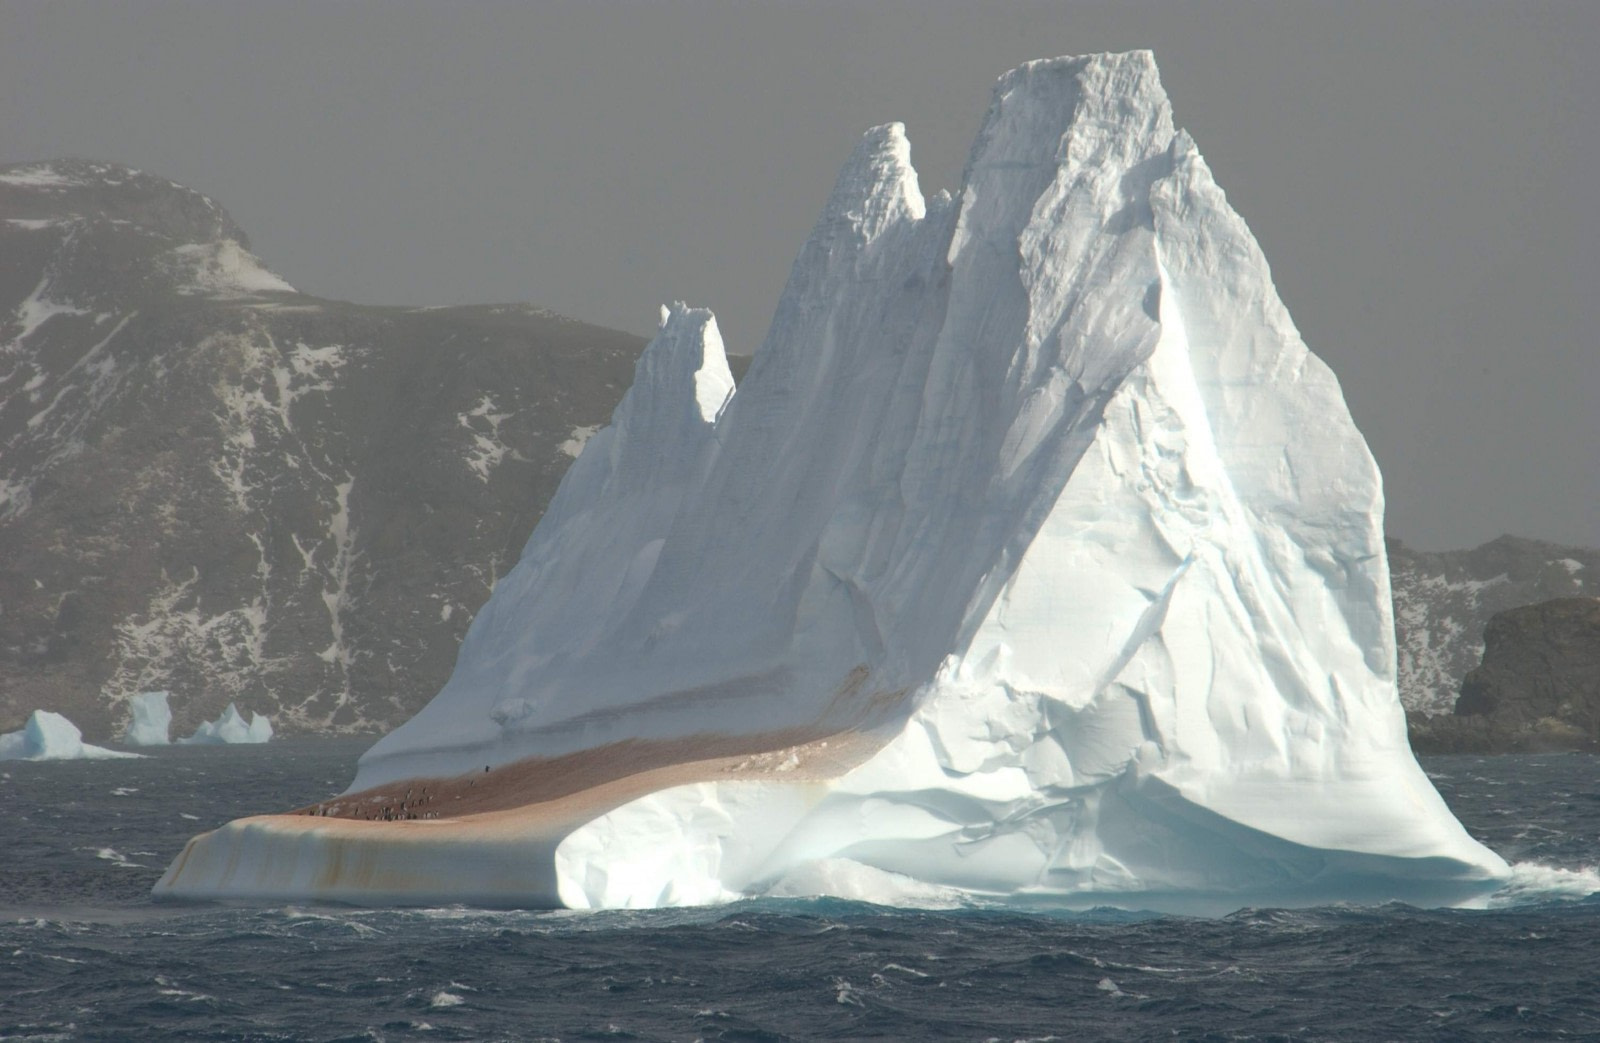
(1532, 883)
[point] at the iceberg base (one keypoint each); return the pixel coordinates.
(773, 824)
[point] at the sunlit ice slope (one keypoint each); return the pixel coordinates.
(1032, 504)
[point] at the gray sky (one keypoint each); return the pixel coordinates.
(1422, 176)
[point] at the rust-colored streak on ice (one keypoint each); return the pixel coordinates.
(405, 841)
(593, 781)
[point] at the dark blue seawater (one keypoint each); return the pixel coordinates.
(84, 953)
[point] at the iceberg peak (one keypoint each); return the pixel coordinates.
(876, 187)
(688, 341)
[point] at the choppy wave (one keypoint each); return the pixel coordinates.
(82, 936)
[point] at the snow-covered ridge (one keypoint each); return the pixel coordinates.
(64, 194)
(1020, 502)
(56, 175)
(40, 175)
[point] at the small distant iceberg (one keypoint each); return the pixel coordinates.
(51, 737)
(152, 720)
(231, 729)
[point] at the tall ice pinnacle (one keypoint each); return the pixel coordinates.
(1035, 558)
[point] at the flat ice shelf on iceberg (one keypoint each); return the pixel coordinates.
(230, 728)
(1035, 558)
(51, 737)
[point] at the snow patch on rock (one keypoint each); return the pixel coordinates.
(36, 309)
(223, 269)
(579, 438)
(487, 450)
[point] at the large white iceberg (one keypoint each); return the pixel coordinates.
(1035, 558)
(230, 728)
(49, 736)
(151, 720)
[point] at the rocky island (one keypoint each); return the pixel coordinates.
(1537, 689)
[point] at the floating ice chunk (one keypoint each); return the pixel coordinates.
(152, 719)
(231, 728)
(51, 737)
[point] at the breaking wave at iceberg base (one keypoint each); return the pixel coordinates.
(1533, 883)
(846, 880)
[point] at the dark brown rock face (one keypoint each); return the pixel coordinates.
(1540, 661)
(213, 484)
(1444, 599)
(1538, 687)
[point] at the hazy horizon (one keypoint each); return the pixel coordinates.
(1419, 178)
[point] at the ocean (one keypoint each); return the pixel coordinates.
(86, 955)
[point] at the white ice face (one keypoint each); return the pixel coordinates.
(151, 720)
(1038, 488)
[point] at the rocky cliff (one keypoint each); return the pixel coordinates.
(1443, 600)
(1538, 687)
(215, 484)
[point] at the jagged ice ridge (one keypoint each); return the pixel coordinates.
(231, 729)
(1033, 502)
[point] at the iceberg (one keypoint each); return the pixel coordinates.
(1035, 560)
(151, 720)
(230, 728)
(51, 737)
